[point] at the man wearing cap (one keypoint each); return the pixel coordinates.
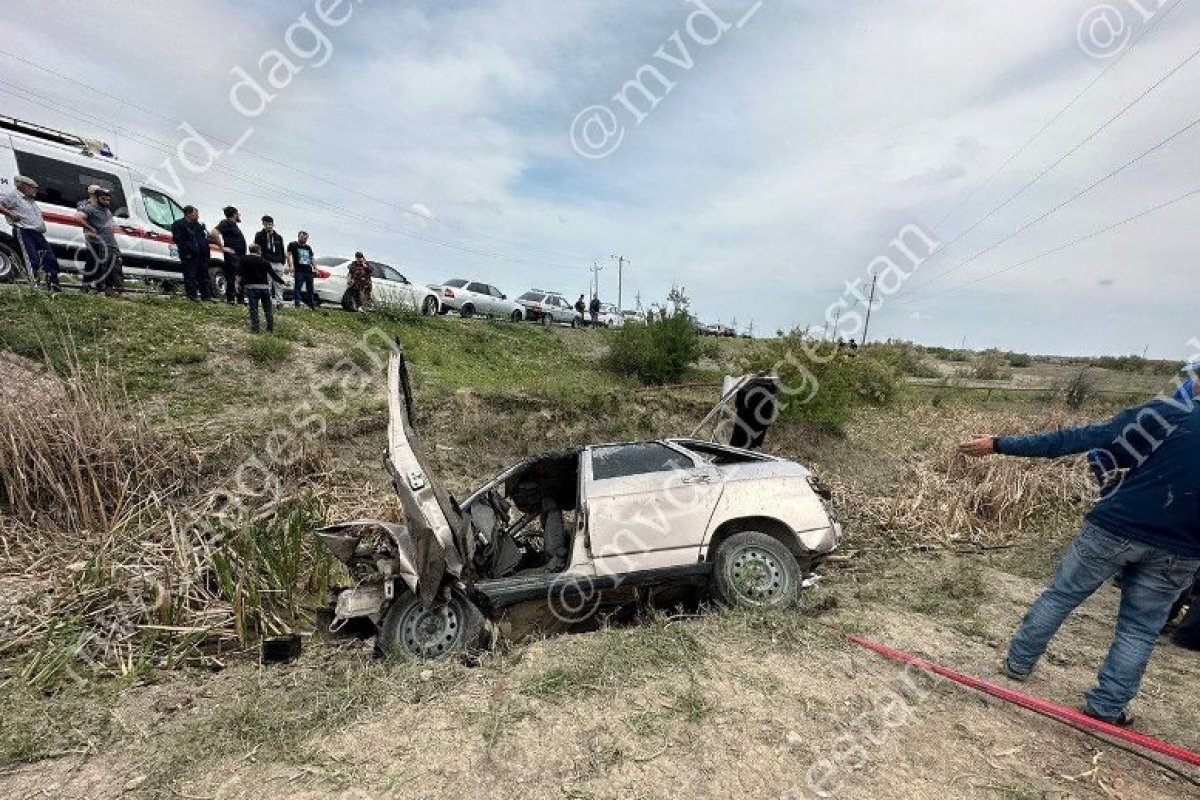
(233, 243)
(29, 229)
(1144, 529)
(102, 261)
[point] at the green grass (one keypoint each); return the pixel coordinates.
(267, 350)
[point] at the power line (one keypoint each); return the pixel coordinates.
(1072, 243)
(1078, 145)
(1058, 207)
(269, 159)
(1017, 153)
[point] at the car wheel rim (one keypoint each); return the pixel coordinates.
(430, 305)
(756, 575)
(430, 633)
(8, 263)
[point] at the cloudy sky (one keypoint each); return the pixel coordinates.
(780, 148)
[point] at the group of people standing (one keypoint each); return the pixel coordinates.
(102, 256)
(250, 272)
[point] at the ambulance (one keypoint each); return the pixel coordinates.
(64, 166)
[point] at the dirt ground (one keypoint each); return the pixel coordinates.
(731, 705)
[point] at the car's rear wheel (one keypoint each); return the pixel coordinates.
(545, 320)
(754, 570)
(411, 630)
(516, 315)
(10, 263)
(429, 306)
(467, 310)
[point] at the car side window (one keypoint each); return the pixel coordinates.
(620, 460)
(61, 183)
(494, 292)
(479, 288)
(392, 275)
(377, 270)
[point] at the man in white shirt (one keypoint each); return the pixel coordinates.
(29, 229)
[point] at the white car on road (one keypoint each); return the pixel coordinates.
(475, 297)
(331, 282)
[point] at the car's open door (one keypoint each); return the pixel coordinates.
(434, 522)
(746, 410)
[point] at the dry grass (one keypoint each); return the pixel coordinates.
(105, 568)
(937, 495)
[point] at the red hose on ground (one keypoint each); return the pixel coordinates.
(1062, 713)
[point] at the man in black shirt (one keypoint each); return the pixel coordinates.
(191, 240)
(270, 245)
(300, 256)
(234, 245)
(255, 276)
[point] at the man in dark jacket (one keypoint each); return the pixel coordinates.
(594, 310)
(191, 239)
(1145, 528)
(233, 243)
(270, 245)
(255, 275)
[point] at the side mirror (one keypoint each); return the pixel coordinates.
(503, 297)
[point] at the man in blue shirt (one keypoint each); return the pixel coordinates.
(1145, 528)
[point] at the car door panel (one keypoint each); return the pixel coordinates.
(653, 520)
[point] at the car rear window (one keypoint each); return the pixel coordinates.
(534, 296)
(329, 261)
(456, 283)
(620, 460)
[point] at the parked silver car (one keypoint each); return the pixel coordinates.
(546, 307)
(575, 532)
(475, 297)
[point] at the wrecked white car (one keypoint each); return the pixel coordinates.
(571, 533)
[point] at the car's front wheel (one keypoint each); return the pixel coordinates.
(418, 633)
(429, 306)
(754, 570)
(516, 315)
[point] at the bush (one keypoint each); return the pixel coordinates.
(1019, 359)
(822, 385)
(661, 350)
(991, 367)
(1080, 389)
(904, 357)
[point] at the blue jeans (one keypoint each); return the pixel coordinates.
(303, 279)
(39, 256)
(1151, 581)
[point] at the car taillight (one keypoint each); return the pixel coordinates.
(321, 273)
(447, 293)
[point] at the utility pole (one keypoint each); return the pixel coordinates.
(596, 278)
(836, 319)
(870, 302)
(621, 262)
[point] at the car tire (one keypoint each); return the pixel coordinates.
(516, 316)
(429, 306)
(448, 626)
(574, 322)
(545, 320)
(754, 570)
(216, 277)
(467, 310)
(11, 264)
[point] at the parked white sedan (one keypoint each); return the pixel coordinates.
(475, 297)
(331, 282)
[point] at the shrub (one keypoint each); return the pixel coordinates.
(822, 385)
(904, 357)
(1080, 389)
(991, 367)
(268, 350)
(1019, 359)
(660, 350)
